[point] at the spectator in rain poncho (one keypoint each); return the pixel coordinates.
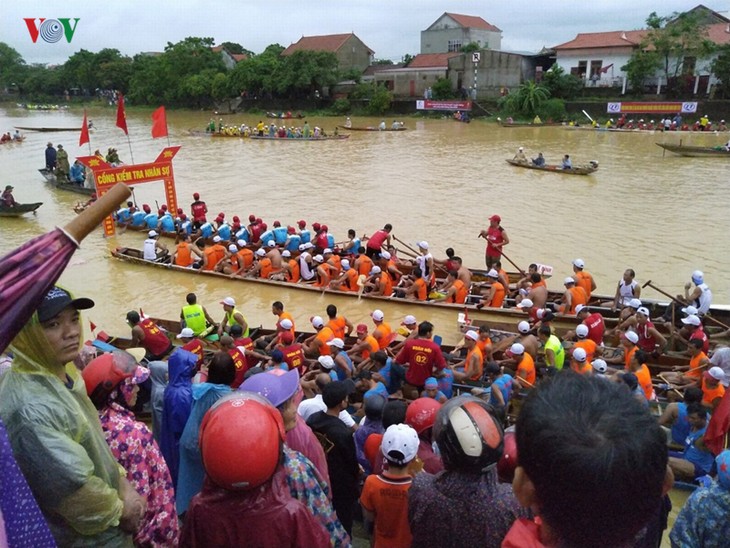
(176, 410)
(112, 382)
(221, 373)
(55, 433)
(159, 378)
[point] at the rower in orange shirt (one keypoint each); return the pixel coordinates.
(347, 281)
(473, 364)
(418, 289)
(184, 252)
(497, 292)
(457, 290)
(382, 332)
(639, 368)
(262, 267)
(698, 361)
(365, 346)
(572, 297)
(363, 264)
(340, 326)
(525, 366)
(583, 279)
(323, 270)
(580, 362)
(712, 388)
(316, 345)
(591, 348)
(214, 254)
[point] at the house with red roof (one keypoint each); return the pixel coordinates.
(351, 52)
(420, 74)
(230, 60)
(597, 57)
(452, 31)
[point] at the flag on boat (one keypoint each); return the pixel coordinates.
(159, 123)
(121, 118)
(84, 137)
(604, 70)
(717, 434)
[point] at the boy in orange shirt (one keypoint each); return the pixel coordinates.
(384, 497)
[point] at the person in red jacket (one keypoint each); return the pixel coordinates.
(147, 334)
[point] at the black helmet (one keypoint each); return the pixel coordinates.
(468, 435)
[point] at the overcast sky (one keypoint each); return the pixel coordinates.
(390, 27)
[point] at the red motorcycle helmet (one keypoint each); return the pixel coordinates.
(104, 373)
(508, 463)
(241, 440)
(421, 414)
(468, 435)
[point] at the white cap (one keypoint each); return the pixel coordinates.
(271, 243)
(568, 280)
(578, 263)
(186, 333)
(691, 320)
(523, 327)
(409, 320)
(643, 310)
(232, 248)
(579, 308)
(152, 234)
(326, 251)
(520, 148)
(717, 373)
(698, 276)
(400, 444)
(229, 301)
(337, 343)
(579, 354)
(375, 270)
(540, 313)
(423, 244)
(525, 303)
(377, 315)
(327, 362)
(635, 303)
(581, 331)
(241, 243)
(385, 255)
(689, 310)
(286, 323)
(317, 321)
(216, 238)
(632, 336)
(286, 253)
(308, 245)
(599, 365)
(493, 274)
(261, 252)
(345, 264)
(517, 349)
(318, 259)
(471, 334)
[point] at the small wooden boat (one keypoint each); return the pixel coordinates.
(296, 139)
(51, 178)
(528, 124)
(372, 128)
(47, 129)
(690, 151)
(12, 141)
(577, 170)
(19, 209)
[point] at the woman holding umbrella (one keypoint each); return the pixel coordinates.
(55, 433)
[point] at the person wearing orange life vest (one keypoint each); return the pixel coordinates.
(244, 258)
(572, 297)
(497, 292)
(347, 280)
(379, 283)
(366, 344)
(214, 254)
(334, 262)
(473, 364)
(263, 267)
(323, 272)
(363, 264)
(340, 326)
(456, 290)
(526, 374)
(316, 345)
(712, 389)
(184, 252)
(580, 362)
(592, 350)
(418, 288)
(382, 332)
(387, 264)
(582, 278)
(147, 334)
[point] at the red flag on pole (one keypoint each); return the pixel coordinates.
(716, 435)
(159, 123)
(121, 118)
(84, 138)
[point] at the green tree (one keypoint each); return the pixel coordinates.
(470, 47)
(560, 84)
(527, 100)
(640, 66)
(303, 72)
(380, 101)
(721, 69)
(220, 87)
(12, 65)
(380, 62)
(407, 58)
(442, 89)
(237, 49)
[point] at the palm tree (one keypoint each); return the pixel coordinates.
(528, 98)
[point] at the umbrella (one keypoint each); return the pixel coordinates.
(28, 272)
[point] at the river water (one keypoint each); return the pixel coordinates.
(663, 216)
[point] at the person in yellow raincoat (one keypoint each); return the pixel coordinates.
(56, 436)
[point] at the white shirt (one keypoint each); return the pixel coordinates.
(626, 292)
(721, 358)
(150, 251)
(304, 271)
(309, 407)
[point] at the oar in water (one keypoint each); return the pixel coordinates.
(658, 290)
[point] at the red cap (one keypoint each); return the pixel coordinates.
(286, 337)
(222, 215)
(264, 226)
(196, 196)
(252, 218)
(362, 328)
(324, 227)
(259, 220)
(316, 226)
(277, 224)
(163, 207)
(160, 212)
(146, 207)
(183, 216)
(302, 224)
(236, 219)
(290, 230)
(179, 211)
(496, 218)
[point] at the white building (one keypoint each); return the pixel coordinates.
(450, 32)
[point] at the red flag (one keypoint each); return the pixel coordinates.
(716, 435)
(92, 325)
(84, 138)
(159, 123)
(604, 70)
(121, 118)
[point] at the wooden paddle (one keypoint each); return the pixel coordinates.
(658, 290)
(513, 264)
(417, 254)
(671, 385)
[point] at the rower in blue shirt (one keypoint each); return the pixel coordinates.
(280, 234)
(292, 242)
(243, 235)
(138, 218)
(151, 220)
(167, 223)
(266, 236)
(206, 230)
(539, 161)
(567, 164)
(224, 231)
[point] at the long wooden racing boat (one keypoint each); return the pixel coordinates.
(577, 170)
(528, 124)
(47, 129)
(371, 128)
(18, 209)
(691, 151)
(297, 139)
(51, 179)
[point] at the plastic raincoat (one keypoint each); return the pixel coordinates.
(57, 440)
(192, 472)
(176, 410)
(158, 376)
(272, 518)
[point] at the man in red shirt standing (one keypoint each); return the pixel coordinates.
(420, 356)
(376, 241)
(198, 209)
(496, 238)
